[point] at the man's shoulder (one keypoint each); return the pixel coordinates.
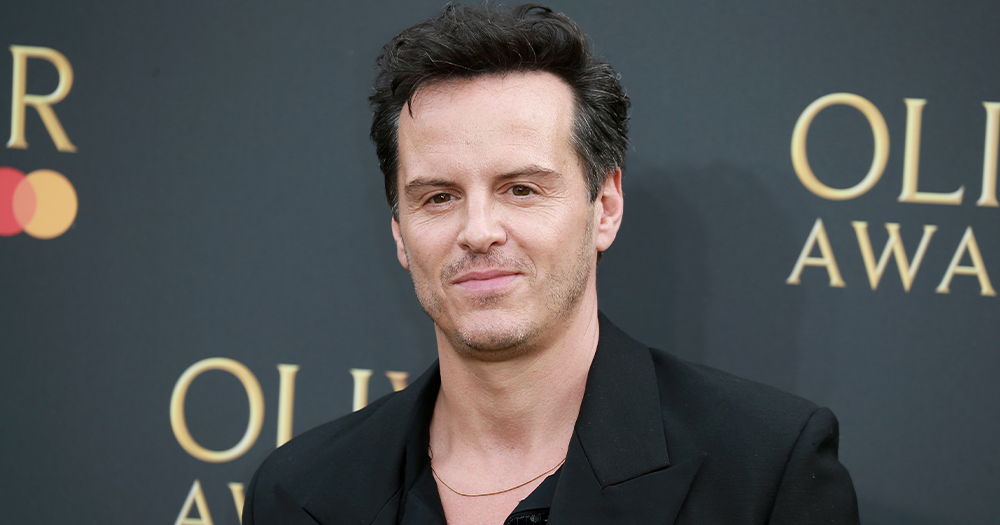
(324, 446)
(695, 398)
(312, 474)
(713, 409)
(326, 470)
(768, 454)
(704, 384)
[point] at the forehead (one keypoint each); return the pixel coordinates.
(487, 123)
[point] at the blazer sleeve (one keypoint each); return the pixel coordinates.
(816, 487)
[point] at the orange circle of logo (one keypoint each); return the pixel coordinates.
(42, 204)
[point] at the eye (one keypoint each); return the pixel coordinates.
(440, 198)
(520, 190)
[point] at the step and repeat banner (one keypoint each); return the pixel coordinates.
(196, 262)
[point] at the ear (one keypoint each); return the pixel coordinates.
(397, 235)
(609, 207)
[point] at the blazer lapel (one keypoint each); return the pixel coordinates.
(652, 498)
(618, 469)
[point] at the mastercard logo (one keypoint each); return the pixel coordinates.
(42, 203)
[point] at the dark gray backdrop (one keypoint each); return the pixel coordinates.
(231, 206)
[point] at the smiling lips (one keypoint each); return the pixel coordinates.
(485, 280)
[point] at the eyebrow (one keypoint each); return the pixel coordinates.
(531, 170)
(416, 185)
(422, 183)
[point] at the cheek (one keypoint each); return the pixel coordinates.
(427, 244)
(551, 233)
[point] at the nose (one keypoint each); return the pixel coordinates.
(482, 229)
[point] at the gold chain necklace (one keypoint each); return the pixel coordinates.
(436, 475)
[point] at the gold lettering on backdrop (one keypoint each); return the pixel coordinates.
(989, 195)
(893, 246)
(361, 377)
(800, 159)
(196, 497)
(286, 406)
(42, 103)
(255, 397)
(817, 236)
(286, 402)
(968, 243)
(911, 161)
(237, 490)
(398, 379)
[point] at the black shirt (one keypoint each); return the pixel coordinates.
(422, 504)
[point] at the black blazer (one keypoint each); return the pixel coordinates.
(658, 440)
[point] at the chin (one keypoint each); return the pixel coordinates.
(493, 336)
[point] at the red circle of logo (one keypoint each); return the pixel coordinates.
(10, 181)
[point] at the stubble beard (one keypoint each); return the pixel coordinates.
(490, 341)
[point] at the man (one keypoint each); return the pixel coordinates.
(501, 138)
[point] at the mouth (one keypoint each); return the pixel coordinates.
(485, 280)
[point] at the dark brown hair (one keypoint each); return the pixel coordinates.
(466, 42)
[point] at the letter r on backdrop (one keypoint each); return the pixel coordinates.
(42, 103)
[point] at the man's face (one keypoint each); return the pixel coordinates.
(495, 222)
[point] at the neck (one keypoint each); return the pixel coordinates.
(518, 411)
